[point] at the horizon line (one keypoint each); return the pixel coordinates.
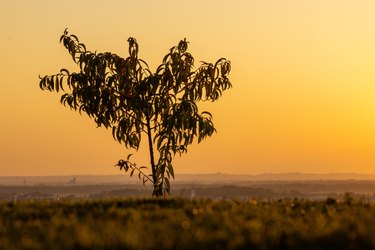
(210, 173)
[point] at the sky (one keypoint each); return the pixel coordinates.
(303, 75)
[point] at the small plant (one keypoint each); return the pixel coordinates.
(123, 94)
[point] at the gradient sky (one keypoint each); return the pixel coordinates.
(303, 74)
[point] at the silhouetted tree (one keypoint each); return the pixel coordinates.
(124, 95)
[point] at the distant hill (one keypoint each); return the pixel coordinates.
(214, 178)
(220, 177)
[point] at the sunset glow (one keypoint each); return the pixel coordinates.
(303, 75)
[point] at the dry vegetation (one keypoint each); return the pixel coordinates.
(187, 224)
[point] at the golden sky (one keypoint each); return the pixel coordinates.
(303, 74)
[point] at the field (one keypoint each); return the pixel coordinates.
(187, 224)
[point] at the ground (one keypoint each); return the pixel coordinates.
(178, 223)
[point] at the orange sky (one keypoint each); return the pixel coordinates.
(303, 74)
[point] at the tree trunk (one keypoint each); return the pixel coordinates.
(158, 190)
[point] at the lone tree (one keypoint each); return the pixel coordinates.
(124, 95)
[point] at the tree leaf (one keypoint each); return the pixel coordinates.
(167, 185)
(129, 155)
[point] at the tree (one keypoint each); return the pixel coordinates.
(122, 94)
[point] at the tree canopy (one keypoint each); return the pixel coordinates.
(122, 94)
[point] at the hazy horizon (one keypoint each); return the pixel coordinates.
(212, 173)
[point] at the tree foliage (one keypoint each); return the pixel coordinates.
(123, 94)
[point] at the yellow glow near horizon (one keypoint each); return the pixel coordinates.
(303, 74)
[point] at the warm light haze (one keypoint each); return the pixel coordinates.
(303, 75)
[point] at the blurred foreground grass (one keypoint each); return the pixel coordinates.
(187, 224)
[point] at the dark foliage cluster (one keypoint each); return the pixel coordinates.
(124, 95)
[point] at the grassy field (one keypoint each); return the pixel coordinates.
(187, 224)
